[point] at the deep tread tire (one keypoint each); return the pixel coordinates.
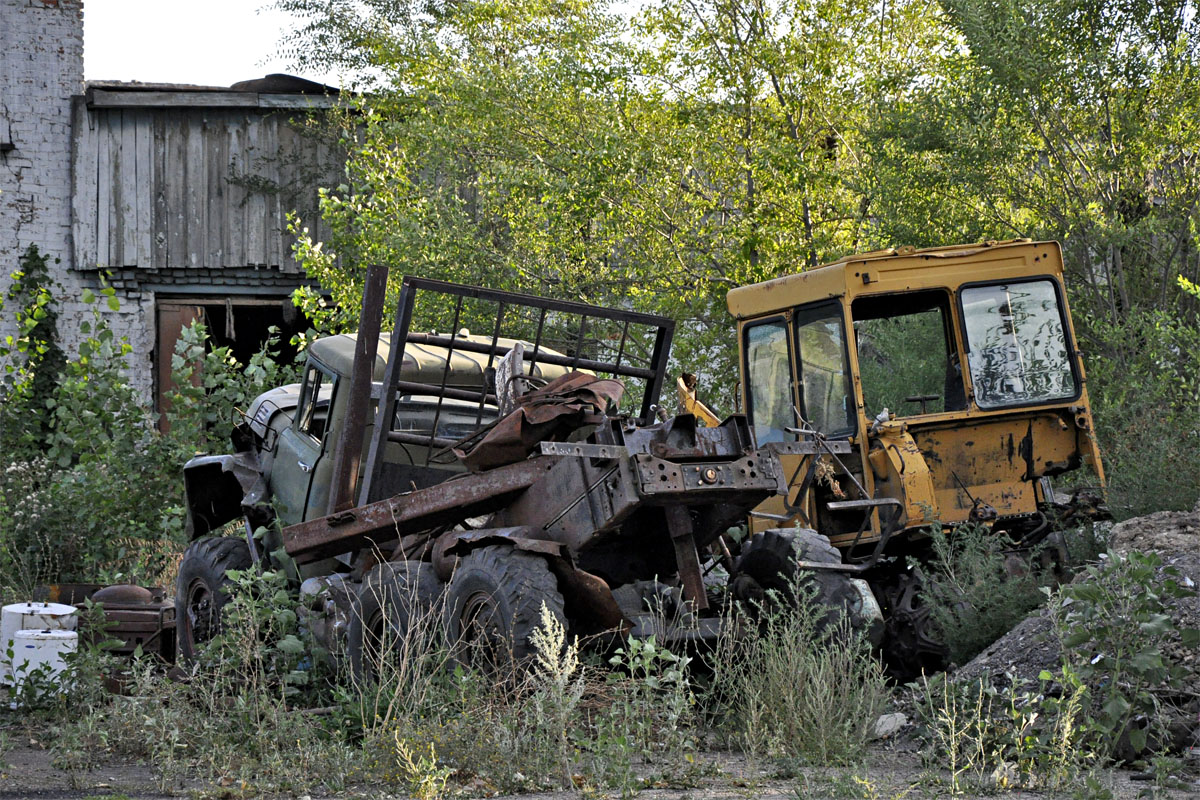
(201, 590)
(767, 568)
(391, 598)
(494, 604)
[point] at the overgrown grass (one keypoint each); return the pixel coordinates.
(787, 689)
(257, 711)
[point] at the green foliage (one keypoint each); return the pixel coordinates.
(259, 648)
(1113, 628)
(91, 449)
(212, 389)
(32, 359)
(89, 489)
(1147, 400)
(974, 599)
(654, 160)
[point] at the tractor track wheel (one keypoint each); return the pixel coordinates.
(767, 569)
(202, 589)
(494, 604)
(394, 599)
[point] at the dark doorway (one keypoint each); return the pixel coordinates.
(240, 323)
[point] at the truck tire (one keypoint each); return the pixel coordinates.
(766, 576)
(201, 590)
(393, 599)
(494, 604)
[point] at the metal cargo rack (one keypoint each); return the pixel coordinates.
(639, 354)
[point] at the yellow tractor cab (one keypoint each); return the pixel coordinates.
(953, 375)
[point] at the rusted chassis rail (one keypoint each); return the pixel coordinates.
(384, 521)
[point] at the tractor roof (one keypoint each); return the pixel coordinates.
(896, 270)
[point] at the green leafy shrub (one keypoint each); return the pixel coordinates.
(95, 495)
(973, 597)
(89, 489)
(1105, 702)
(1113, 627)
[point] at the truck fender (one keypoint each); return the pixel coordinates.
(219, 489)
(453, 544)
(588, 597)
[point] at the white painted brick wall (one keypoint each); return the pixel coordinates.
(41, 68)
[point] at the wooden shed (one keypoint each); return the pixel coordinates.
(183, 193)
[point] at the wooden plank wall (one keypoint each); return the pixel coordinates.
(171, 187)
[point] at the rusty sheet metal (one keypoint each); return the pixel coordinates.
(387, 520)
(907, 475)
(589, 599)
(358, 407)
(452, 544)
(687, 558)
(681, 439)
(221, 488)
(521, 537)
(561, 407)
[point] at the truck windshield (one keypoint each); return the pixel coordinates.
(456, 419)
(1016, 345)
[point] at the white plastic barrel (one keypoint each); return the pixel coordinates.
(42, 652)
(30, 616)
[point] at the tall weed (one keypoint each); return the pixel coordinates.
(796, 693)
(1027, 736)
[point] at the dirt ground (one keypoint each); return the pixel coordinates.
(892, 770)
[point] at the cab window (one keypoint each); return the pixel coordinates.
(769, 381)
(313, 412)
(824, 373)
(907, 358)
(1017, 344)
